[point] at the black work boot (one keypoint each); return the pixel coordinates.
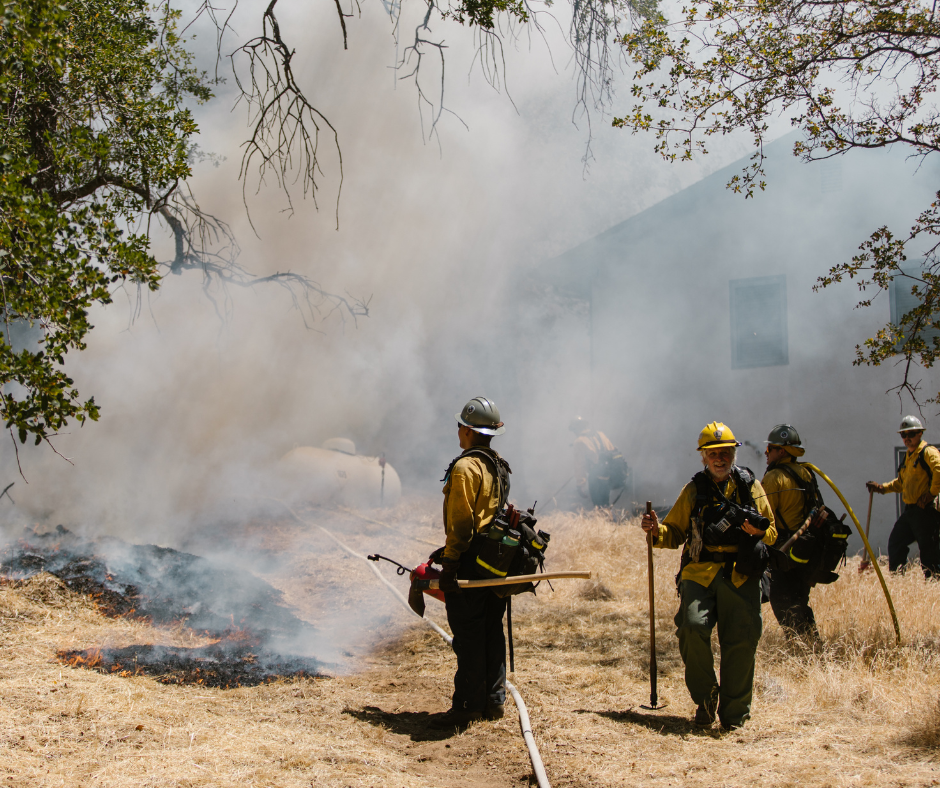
(455, 718)
(706, 712)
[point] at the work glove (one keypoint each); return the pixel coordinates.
(448, 579)
(436, 556)
(873, 487)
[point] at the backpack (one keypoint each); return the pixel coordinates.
(612, 465)
(820, 550)
(511, 546)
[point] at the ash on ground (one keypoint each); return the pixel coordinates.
(260, 639)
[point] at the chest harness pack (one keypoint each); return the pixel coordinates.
(717, 522)
(510, 545)
(821, 548)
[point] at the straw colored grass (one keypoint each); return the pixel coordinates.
(857, 711)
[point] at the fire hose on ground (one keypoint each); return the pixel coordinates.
(871, 554)
(524, 723)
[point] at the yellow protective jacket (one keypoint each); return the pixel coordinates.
(784, 497)
(912, 480)
(587, 452)
(471, 501)
(675, 529)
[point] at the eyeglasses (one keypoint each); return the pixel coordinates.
(913, 434)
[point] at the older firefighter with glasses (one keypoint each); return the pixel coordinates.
(476, 486)
(918, 481)
(724, 522)
(793, 494)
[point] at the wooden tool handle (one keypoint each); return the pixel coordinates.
(582, 574)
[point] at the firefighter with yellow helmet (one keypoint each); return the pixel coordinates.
(724, 524)
(918, 481)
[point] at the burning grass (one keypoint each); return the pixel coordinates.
(856, 712)
(158, 585)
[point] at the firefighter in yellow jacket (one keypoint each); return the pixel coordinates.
(793, 493)
(476, 486)
(918, 481)
(725, 524)
(597, 472)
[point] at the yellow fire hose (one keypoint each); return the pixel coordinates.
(871, 555)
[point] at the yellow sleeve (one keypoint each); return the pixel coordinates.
(675, 525)
(773, 483)
(933, 461)
(461, 493)
(894, 486)
(763, 506)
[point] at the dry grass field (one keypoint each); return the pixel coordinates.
(859, 711)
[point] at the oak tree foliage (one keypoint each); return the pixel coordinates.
(851, 74)
(96, 148)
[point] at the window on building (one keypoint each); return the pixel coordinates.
(759, 322)
(902, 299)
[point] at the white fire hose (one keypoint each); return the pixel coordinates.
(524, 723)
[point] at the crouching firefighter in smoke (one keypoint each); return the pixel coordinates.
(476, 488)
(820, 538)
(725, 524)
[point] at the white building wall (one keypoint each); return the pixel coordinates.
(661, 327)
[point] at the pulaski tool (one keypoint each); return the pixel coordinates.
(654, 697)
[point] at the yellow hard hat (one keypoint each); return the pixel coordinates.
(716, 435)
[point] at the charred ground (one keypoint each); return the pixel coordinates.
(858, 712)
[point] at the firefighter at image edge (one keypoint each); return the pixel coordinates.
(918, 481)
(793, 492)
(476, 486)
(723, 519)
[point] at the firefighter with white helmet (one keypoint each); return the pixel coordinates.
(724, 523)
(918, 481)
(476, 486)
(793, 493)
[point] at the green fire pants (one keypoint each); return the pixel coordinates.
(736, 611)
